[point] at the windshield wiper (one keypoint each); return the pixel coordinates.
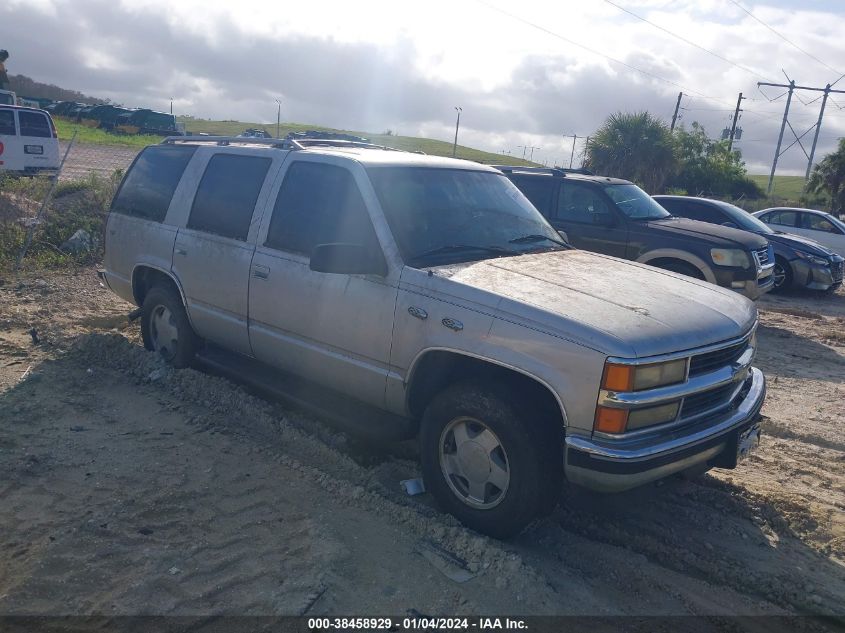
(536, 237)
(451, 248)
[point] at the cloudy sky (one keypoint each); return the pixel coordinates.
(525, 73)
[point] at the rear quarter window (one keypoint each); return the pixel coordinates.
(7, 122)
(34, 124)
(149, 185)
(227, 194)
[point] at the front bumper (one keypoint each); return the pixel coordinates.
(605, 466)
(816, 276)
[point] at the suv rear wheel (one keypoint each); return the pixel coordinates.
(165, 327)
(485, 460)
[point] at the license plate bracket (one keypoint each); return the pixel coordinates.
(747, 440)
(33, 149)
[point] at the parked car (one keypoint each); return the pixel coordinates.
(418, 294)
(103, 116)
(145, 121)
(29, 143)
(799, 262)
(62, 108)
(255, 133)
(615, 217)
(822, 227)
(7, 97)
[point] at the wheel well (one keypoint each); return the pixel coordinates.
(438, 369)
(676, 265)
(144, 278)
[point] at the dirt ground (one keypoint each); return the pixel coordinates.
(129, 488)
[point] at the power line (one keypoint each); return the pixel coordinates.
(686, 41)
(595, 52)
(787, 40)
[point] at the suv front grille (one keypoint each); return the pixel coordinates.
(711, 361)
(707, 400)
(762, 256)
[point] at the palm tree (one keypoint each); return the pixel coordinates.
(828, 177)
(636, 146)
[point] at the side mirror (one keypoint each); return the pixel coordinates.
(604, 219)
(347, 259)
(564, 236)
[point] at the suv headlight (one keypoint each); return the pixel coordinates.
(730, 257)
(813, 259)
(618, 377)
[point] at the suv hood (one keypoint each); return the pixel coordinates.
(717, 234)
(800, 243)
(612, 305)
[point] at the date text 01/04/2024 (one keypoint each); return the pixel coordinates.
(417, 623)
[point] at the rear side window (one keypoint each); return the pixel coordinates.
(227, 195)
(319, 204)
(149, 185)
(782, 218)
(34, 124)
(7, 122)
(580, 203)
(538, 190)
(817, 223)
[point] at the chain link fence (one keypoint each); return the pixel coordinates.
(103, 160)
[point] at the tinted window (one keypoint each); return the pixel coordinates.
(580, 203)
(7, 122)
(817, 223)
(227, 195)
(318, 204)
(538, 190)
(783, 218)
(34, 124)
(149, 185)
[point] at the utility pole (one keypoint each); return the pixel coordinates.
(523, 150)
(791, 86)
(532, 148)
(816, 136)
(733, 125)
(278, 117)
(572, 153)
(171, 105)
(457, 125)
(677, 107)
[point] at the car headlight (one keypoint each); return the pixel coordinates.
(618, 377)
(813, 259)
(730, 257)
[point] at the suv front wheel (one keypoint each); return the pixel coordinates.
(485, 460)
(165, 328)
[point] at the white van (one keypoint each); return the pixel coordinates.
(7, 97)
(29, 143)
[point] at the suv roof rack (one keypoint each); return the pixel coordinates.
(554, 171)
(277, 143)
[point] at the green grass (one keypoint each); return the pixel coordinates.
(788, 187)
(409, 143)
(94, 136)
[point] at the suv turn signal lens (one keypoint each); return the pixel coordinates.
(618, 377)
(610, 420)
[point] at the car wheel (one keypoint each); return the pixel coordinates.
(487, 460)
(165, 327)
(782, 275)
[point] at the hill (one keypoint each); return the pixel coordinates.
(409, 143)
(27, 87)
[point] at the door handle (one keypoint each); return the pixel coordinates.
(260, 272)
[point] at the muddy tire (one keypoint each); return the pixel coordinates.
(165, 328)
(487, 460)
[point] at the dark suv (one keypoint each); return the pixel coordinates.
(615, 217)
(799, 261)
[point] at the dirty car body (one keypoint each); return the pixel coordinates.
(431, 291)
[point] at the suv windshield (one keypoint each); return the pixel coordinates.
(441, 216)
(635, 203)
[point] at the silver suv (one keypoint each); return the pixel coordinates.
(430, 296)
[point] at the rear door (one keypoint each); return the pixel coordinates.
(590, 219)
(333, 329)
(11, 151)
(38, 140)
(213, 250)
